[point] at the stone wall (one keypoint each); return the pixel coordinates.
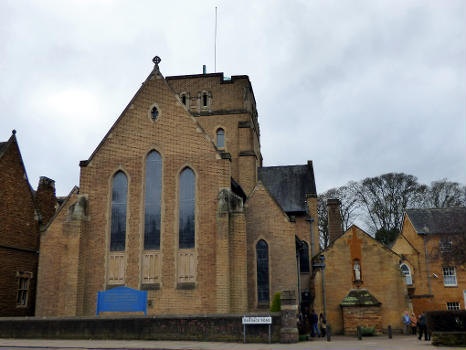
(205, 328)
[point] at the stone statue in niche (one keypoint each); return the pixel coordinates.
(357, 270)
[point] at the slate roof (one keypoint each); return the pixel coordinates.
(289, 185)
(438, 221)
(359, 297)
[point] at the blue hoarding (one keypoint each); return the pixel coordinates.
(122, 299)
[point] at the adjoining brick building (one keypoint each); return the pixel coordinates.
(432, 247)
(22, 211)
(362, 283)
(175, 201)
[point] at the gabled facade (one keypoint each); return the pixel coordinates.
(362, 283)
(21, 213)
(161, 207)
(432, 248)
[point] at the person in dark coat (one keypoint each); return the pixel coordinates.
(314, 324)
(423, 327)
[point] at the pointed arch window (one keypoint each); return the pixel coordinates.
(304, 257)
(187, 199)
(406, 271)
(152, 207)
(220, 138)
(262, 255)
(119, 201)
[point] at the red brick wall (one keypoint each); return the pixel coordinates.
(18, 230)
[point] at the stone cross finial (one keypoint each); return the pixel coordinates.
(156, 60)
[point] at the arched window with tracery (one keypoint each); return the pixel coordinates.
(118, 221)
(187, 199)
(406, 271)
(152, 201)
(262, 255)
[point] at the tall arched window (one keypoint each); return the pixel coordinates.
(262, 253)
(220, 138)
(304, 258)
(187, 208)
(119, 199)
(152, 201)
(406, 271)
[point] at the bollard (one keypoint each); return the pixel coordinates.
(359, 332)
(390, 332)
(329, 332)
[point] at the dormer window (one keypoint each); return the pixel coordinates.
(220, 138)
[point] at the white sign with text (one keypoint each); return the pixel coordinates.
(257, 320)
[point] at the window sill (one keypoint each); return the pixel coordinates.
(186, 285)
(111, 286)
(450, 285)
(150, 286)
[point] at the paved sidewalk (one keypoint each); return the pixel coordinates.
(338, 342)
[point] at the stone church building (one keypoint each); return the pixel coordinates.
(175, 200)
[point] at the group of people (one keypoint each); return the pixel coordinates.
(416, 324)
(317, 324)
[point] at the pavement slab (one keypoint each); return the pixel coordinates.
(338, 342)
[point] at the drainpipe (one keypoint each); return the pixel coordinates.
(322, 266)
(429, 283)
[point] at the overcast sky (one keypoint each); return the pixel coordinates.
(361, 88)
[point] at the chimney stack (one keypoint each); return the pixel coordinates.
(335, 227)
(46, 199)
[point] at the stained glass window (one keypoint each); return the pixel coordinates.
(119, 197)
(187, 208)
(152, 201)
(262, 253)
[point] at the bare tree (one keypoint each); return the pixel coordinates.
(445, 194)
(386, 197)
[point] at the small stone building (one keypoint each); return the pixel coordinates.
(22, 211)
(432, 247)
(175, 201)
(362, 283)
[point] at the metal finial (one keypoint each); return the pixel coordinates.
(13, 132)
(156, 60)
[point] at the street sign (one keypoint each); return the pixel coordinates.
(257, 320)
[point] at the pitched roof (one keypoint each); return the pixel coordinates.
(289, 185)
(439, 220)
(359, 297)
(3, 146)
